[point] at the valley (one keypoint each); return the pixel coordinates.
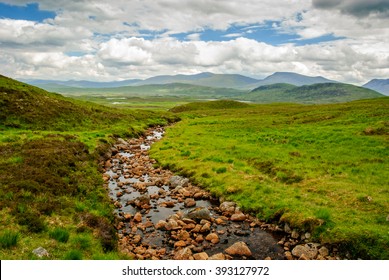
(317, 170)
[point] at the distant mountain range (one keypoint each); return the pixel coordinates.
(207, 79)
(278, 87)
(379, 85)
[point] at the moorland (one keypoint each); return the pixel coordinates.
(319, 164)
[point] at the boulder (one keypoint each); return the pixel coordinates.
(228, 207)
(183, 254)
(179, 243)
(238, 217)
(189, 202)
(198, 213)
(308, 250)
(219, 256)
(161, 225)
(239, 249)
(40, 252)
(213, 238)
(183, 235)
(176, 181)
(138, 217)
(201, 256)
(323, 251)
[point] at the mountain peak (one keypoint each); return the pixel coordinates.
(379, 85)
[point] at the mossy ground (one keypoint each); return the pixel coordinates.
(321, 168)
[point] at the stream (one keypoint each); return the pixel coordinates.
(164, 216)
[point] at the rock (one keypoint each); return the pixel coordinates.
(137, 238)
(197, 228)
(198, 213)
(303, 257)
(239, 249)
(40, 252)
(307, 235)
(179, 243)
(219, 221)
(183, 235)
(127, 216)
(206, 227)
(201, 256)
(213, 238)
(169, 204)
(228, 207)
(288, 255)
(323, 251)
(219, 256)
(142, 200)
(183, 254)
(238, 217)
(198, 195)
(287, 229)
(308, 250)
(295, 234)
(178, 181)
(161, 225)
(189, 202)
(199, 238)
(171, 225)
(138, 217)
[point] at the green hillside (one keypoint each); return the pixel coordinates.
(178, 90)
(324, 93)
(51, 190)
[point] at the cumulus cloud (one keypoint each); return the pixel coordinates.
(110, 40)
(355, 7)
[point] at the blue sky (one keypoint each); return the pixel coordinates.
(29, 12)
(112, 40)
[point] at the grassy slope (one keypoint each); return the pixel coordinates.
(49, 180)
(321, 168)
(312, 94)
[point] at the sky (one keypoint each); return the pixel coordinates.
(100, 40)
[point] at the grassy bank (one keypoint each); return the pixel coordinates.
(322, 168)
(51, 192)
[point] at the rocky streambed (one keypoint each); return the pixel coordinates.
(164, 216)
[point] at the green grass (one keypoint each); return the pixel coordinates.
(321, 168)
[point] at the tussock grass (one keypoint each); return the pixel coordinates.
(60, 234)
(8, 239)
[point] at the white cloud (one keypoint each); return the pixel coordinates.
(108, 34)
(126, 51)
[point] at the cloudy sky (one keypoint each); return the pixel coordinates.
(344, 40)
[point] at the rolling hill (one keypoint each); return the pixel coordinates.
(291, 78)
(379, 85)
(323, 93)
